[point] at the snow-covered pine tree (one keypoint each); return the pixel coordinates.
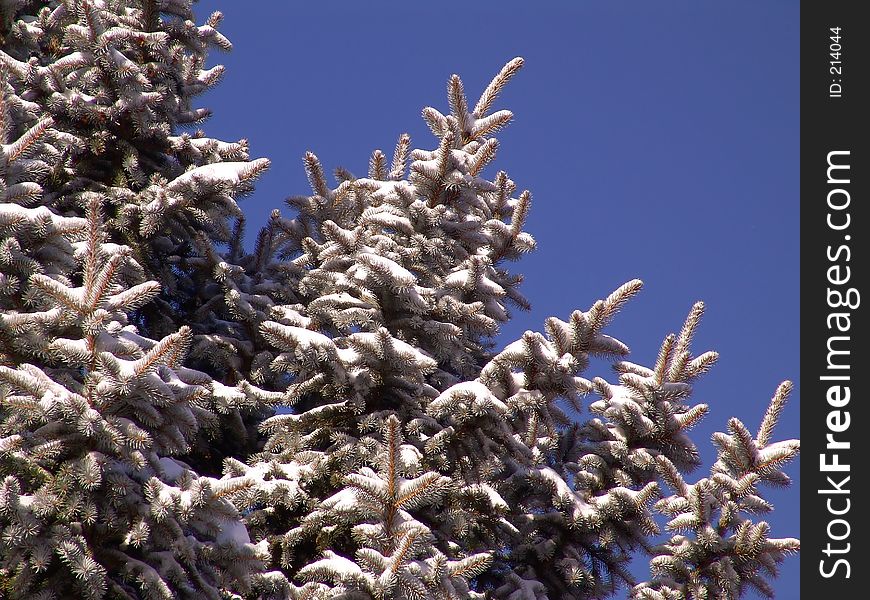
(397, 283)
(398, 291)
(92, 501)
(408, 459)
(101, 194)
(727, 552)
(114, 80)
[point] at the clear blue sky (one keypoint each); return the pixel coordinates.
(659, 139)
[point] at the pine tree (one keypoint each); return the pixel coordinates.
(728, 552)
(91, 499)
(325, 416)
(101, 197)
(397, 284)
(116, 81)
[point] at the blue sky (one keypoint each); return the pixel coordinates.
(660, 141)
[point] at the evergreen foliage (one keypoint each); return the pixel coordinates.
(325, 416)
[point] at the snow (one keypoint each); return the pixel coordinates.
(207, 75)
(15, 66)
(75, 97)
(630, 367)
(230, 396)
(23, 192)
(342, 300)
(348, 356)
(280, 419)
(397, 276)
(495, 499)
(386, 216)
(496, 310)
(524, 589)
(489, 287)
(205, 144)
(429, 168)
(342, 567)
(172, 469)
(413, 298)
(676, 388)
(459, 279)
(372, 340)
(470, 391)
(366, 481)
(606, 343)
(410, 456)
(15, 213)
(48, 401)
(775, 452)
(620, 395)
(233, 533)
(515, 352)
(562, 490)
(224, 173)
(345, 500)
(274, 479)
(302, 340)
(122, 62)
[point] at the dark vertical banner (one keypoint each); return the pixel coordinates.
(835, 426)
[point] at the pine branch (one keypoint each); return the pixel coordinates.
(489, 95)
